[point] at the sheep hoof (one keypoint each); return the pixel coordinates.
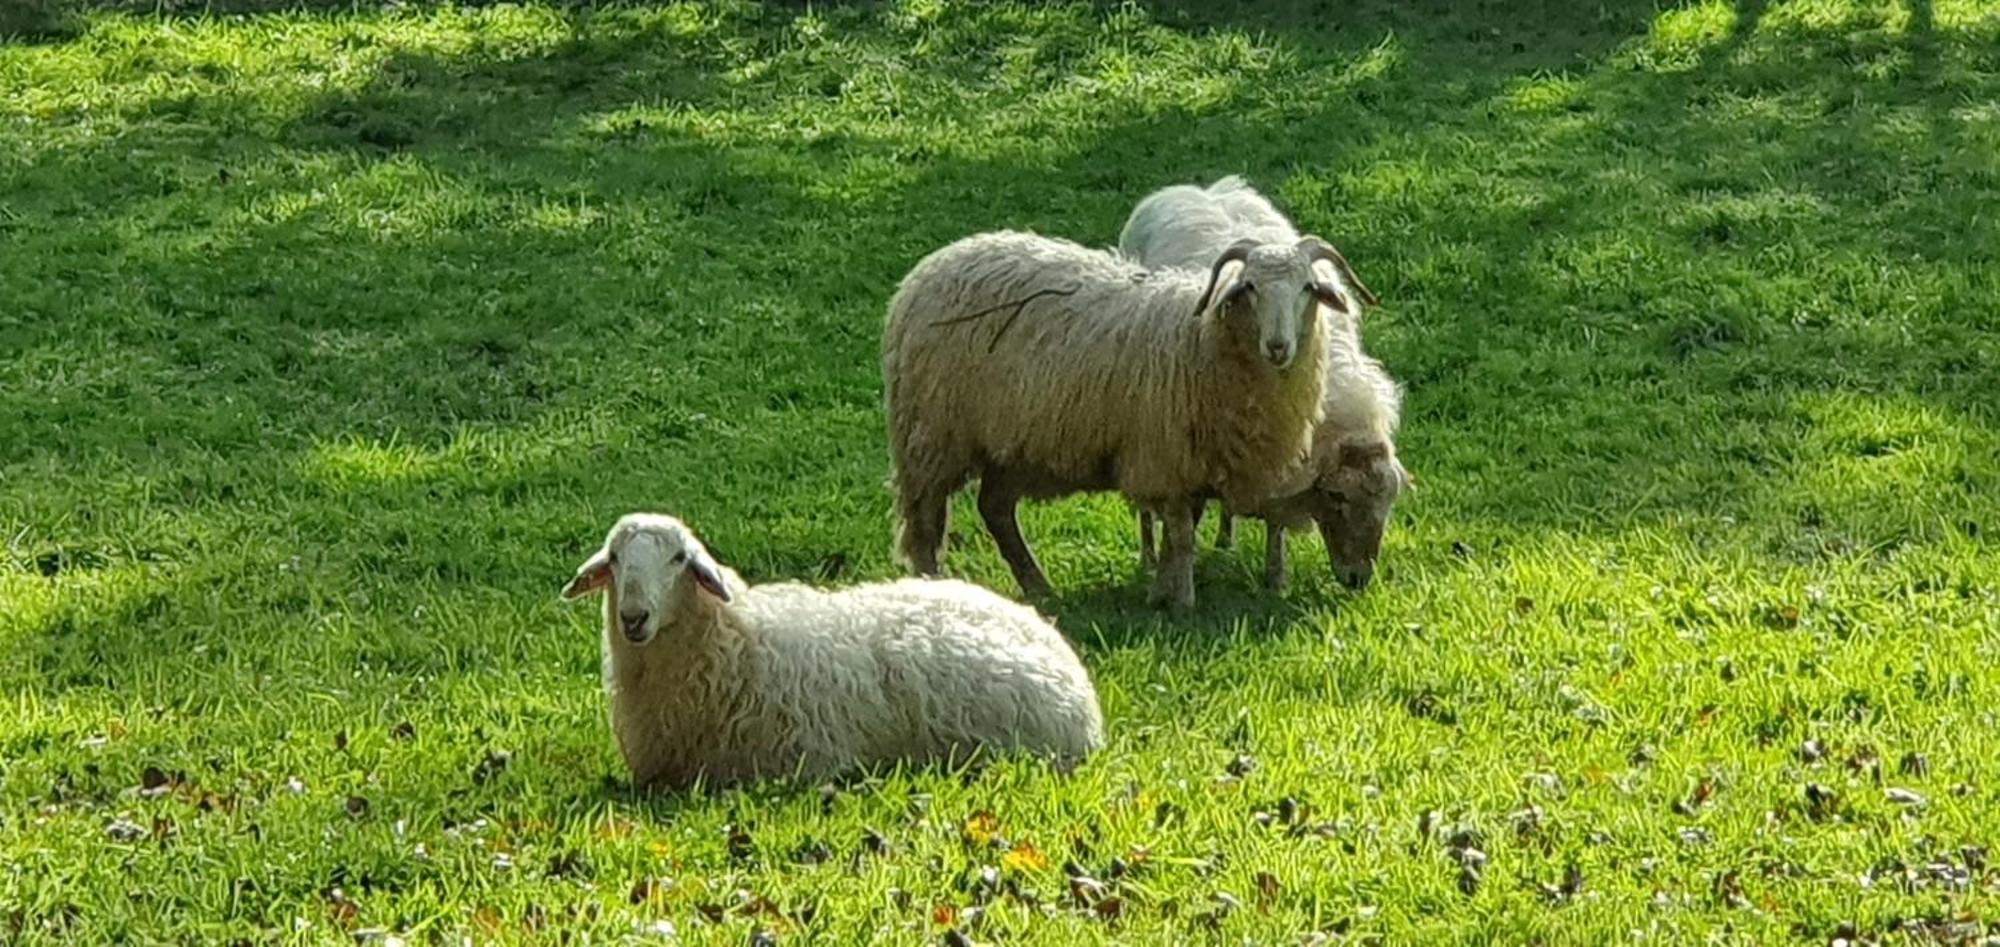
(1172, 596)
(1037, 591)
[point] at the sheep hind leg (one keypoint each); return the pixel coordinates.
(921, 541)
(1274, 557)
(1225, 531)
(999, 499)
(1173, 586)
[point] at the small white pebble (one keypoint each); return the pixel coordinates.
(296, 785)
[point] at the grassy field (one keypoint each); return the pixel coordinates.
(330, 343)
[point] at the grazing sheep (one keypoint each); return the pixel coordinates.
(1354, 476)
(717, 681)
(1044, 368)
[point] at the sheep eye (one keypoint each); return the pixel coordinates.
(611, 557)
(680, 557)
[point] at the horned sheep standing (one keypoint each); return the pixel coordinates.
(1354, 477)
(1043, 368)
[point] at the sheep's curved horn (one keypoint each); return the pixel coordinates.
(1317, 249)
(1236, 253)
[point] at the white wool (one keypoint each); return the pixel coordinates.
(786, 678)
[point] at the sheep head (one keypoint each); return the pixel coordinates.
(642, 565)
(1274, 292)
(1351, 501)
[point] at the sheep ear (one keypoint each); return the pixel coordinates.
(1329, 297)
(592, 576)
(1236, 291)
(1364, 455)
(708, 575)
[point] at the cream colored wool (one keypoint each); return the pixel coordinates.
(1045, 368)
(1354, 477)
(712, 680)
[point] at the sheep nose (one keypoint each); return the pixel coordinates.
(635, 624)
(1278, 352)
(1356, 577)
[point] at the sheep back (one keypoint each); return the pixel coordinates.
(1184, 226)
(924, 668)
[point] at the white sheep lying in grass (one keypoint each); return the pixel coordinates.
(1044, 368)
(1354, 477)
(717, 681)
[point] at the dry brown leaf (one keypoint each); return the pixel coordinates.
(1267, 890)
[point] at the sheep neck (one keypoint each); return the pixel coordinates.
(1259, 426)
(669, 695)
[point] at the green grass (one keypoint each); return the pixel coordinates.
(331, 342)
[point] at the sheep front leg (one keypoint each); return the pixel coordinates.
(1225, 531)
(999, 498)
(1174, 585)
(1274, 557)
(1148, 554)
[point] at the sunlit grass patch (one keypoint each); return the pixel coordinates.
(1682, 36)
